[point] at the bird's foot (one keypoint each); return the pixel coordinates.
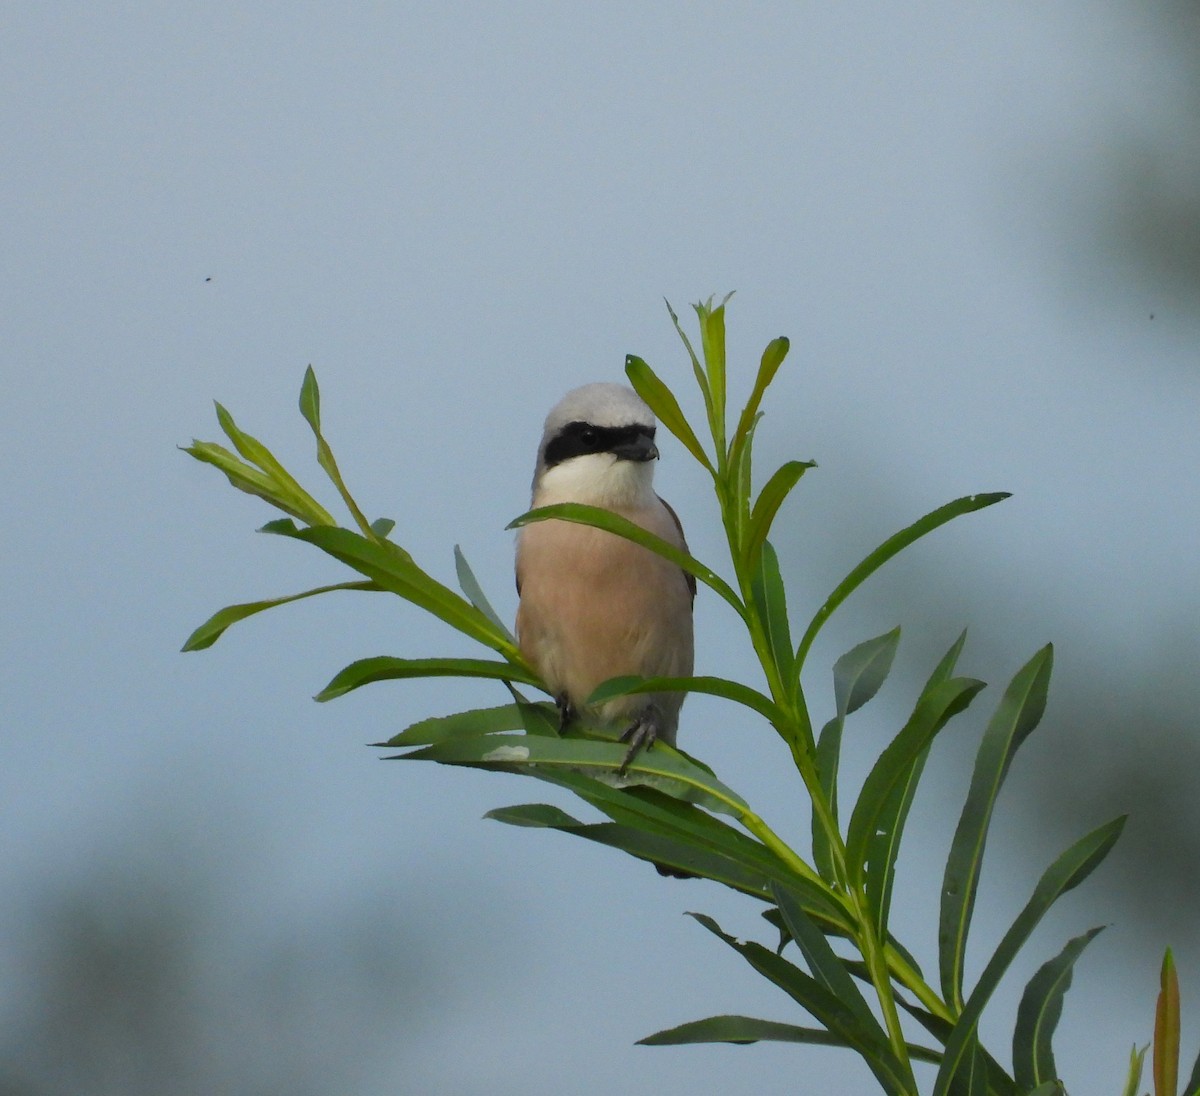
(641, 734)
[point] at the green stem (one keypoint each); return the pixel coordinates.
(755, 825)
(904, 972)
(875, 957)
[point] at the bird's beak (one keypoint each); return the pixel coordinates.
(641, 449)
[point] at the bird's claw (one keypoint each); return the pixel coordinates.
(641, 735)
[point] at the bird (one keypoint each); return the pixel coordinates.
(593, 605)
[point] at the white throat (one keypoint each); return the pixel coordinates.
(597, 479)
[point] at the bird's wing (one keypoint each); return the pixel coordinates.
(691, 579)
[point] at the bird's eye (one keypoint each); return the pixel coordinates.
(589, 437)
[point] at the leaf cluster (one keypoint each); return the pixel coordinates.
(836, 956)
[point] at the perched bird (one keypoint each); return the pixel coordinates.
(594, 605)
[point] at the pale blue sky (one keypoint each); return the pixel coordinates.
(455, 213)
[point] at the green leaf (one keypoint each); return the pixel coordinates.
(741, 477)
(753, 863)
(1067, 872)
(1166, 1031)
(884, 847)
(889, 548)
(1039, 1012)
(475, 595)
(367, 671)
(746, 1029)
(245, 477)
(623, 527)
(739, 1029)
(712, 686)
(661, 400)
(768, 366)
(1049, 1088)
(506, 717)
(712, 340)
(1018, 713)
(823, 961)
(310, 408)
(661, 767)
(310, 400)
(999, 1083)
(895, 765)
(212, 629)
(825, 1006)
(381, 527)
(285, 487)
(396, 572)
(283, 527)
(697, 368)
(770, 602)
(1192, 1088)
(857, 677)
(860, 673)
(1137, 1059)
(770, 499)
(672, 851)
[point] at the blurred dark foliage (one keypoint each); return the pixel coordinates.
(1154, 213)
(136, 979)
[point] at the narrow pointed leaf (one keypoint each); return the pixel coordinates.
(672, 851)
(884, 847)
(768, 366)
(1133, 1081)
(697, 368)
(245, 477)
(1166, 1031)
(310, 400)
(286, 485)
(212, 629)
(395, 571)
(741, 1030)
(1192, 1088)
(829, 753)
(895, 764)
(623, 527)
(535, 816)
(823, 961)
(746, 1029)
(661, 400)
(741, 475)
(1039, 1012)
(1067, 872)
(1018, 712)
(861, 671)
(660, 767)
(889, 548)
(475, 595)
(713, 686)
(367, 671)
(505, 717)
(770, 602)
(310, 408)
(712, 340)
(652, 811)
(999, 1083)
(857, 677)
(770, 499)
(823, 1005)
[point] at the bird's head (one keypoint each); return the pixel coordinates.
(597, 448)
